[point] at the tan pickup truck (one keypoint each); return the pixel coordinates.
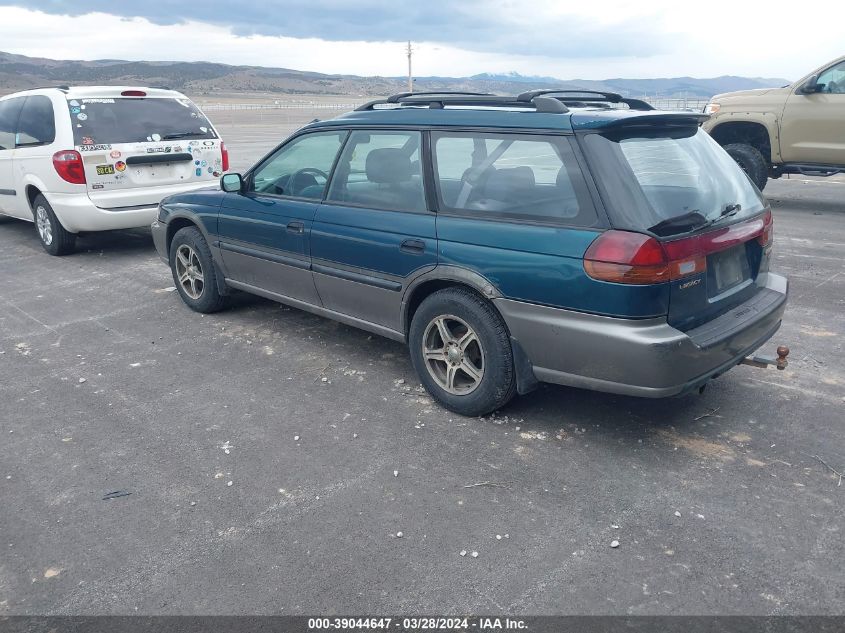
(797, 129)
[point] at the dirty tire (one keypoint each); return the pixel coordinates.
(752, 162)
(497, 384)
(207, 297)
(55, 239)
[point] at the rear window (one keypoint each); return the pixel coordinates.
(519, 177)
(669, 182)
(136, 120)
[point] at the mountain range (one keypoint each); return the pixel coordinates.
(18, 72)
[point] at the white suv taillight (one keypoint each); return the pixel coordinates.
(68, 164)
(225, 153)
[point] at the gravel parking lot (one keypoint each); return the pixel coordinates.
(271, 457)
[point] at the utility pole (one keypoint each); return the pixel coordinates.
(410, 75)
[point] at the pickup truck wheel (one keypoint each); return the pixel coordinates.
(752, 162)
(55, 239)
(193, 271)
(461, 351)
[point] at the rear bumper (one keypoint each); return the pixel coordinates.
(77, 213)
(647, 357)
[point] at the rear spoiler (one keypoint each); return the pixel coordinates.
(670, 119)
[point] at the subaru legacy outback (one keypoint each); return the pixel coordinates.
(507, 240)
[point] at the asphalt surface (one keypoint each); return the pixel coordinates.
(272, 457)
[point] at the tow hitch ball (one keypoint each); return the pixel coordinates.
(765, 361)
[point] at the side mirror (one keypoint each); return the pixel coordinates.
(811, 86)
(232, 183)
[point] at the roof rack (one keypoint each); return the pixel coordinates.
(440, 99)
(588, 95)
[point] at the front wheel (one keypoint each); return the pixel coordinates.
(461, 351)
(193, 271)
(55, 239)
(752, 162)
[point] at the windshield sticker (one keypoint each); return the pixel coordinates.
(97, 101)
(87, 140)
(94, 148)
(74, 103)
(82, 116)
(75, 110)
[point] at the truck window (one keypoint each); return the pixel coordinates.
(37, 125)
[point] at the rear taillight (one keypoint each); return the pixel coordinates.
(626, 258)
(68, 164)
(225, 153)
(767, 236)
(634, 258)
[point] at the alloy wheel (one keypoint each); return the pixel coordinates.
(189, 271)
(45, 227)
(453, 354)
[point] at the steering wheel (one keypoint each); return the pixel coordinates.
(295, 176)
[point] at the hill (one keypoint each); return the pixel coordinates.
(18, 72)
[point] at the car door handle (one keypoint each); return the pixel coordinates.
(296, 227)
(415, 247)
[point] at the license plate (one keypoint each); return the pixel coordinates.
(730, 268)
(105, 170)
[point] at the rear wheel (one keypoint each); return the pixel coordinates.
(193, 271)
(461, 351)
(55, 239)
(752, 162)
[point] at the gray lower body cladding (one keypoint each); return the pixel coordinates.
(646, 357)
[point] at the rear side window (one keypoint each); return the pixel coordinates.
(380, 170)
(10, 110)
(511, 176)
(136, 120)
(37, 124)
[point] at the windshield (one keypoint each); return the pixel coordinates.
(134, 120)
(669, 182)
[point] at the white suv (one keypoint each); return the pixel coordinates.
(99, 158)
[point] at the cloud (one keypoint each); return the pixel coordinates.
(502, 26)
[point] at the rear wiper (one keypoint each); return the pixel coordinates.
(731, 209)
(175, 135)
(680, 224)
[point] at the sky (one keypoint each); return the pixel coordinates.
(566, 40)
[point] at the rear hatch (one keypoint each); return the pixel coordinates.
(138, 149)
(676, 184)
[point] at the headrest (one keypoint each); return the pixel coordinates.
(390, 165)
(508, 184)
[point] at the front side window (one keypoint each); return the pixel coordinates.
(10, 110)
(101, 121)
(299, 169)
(37, 125)
(669, 181)
(833, 79)
(511, 176)
(380, 170)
